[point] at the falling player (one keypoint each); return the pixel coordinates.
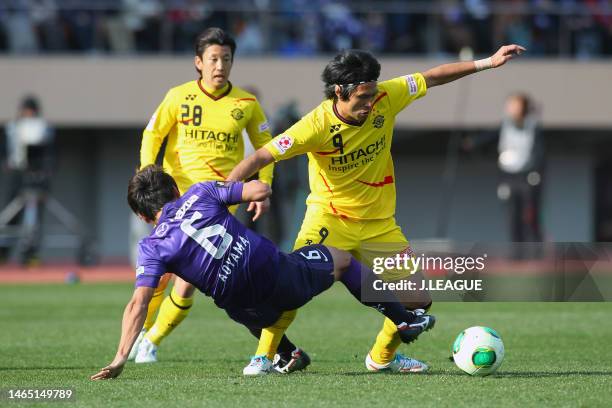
(197, 237)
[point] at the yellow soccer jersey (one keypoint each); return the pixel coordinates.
(204, 133)
(350, 166)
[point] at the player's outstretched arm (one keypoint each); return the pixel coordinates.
(133, 318)
(246, 168)
(446, 73)
(249, 166)
(255, 190)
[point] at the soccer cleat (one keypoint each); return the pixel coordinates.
(259, 365)
(147, 352)
(296, 361)
(409, 332)
(134, 349)
(400, 364)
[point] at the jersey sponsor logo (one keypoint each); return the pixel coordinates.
(211, 135)
(151, 124)
(161, 230)
(378, 121)
(186, 206)
(334, 128)
(237, 114)
(412, 85)
(283, 143)
(139, 270)
(358, 157)
(264, 126)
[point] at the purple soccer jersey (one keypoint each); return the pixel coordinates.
(198, 239)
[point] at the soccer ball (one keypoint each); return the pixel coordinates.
(478, 351)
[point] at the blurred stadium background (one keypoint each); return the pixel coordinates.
(99, 68)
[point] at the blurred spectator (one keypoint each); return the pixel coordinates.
(340, 27)
(28, 164)
(602, 13)
(81, 26)
(408, 33)
(599, 33)
(456, 32)
(189, 17)
(249, 36)
(581, 28)
(19, 28)
(545, 27)
(585, 37)
(514, 27)
(374, 36)
(521, 161)
(143, 19)
(45, 17)
(294, 45)
(480, 21)
(118, 28)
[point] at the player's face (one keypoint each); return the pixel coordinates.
(215, 65)
(359, 105)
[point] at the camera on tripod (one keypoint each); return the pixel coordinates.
(36, 140)
(30, 164)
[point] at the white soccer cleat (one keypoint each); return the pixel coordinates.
(259, 365)
(134, 349)
(400, 364)
(147, 352)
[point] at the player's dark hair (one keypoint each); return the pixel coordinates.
(149, 190)
(348, 69)
(213, 36)
(30, 102)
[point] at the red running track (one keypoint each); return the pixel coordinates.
(65, 272)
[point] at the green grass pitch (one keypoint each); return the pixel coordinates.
(557, 354)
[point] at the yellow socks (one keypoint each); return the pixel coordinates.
(386, 344)
(271, 336)
(172, 312)
(156, 300)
